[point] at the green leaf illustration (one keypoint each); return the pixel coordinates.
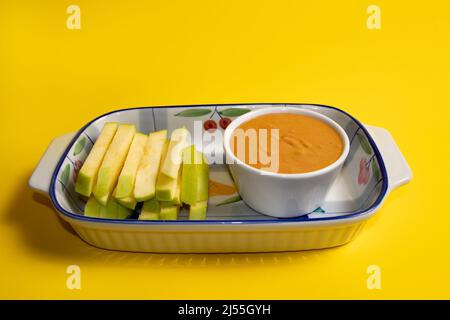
(364, 143)
(79, 146)
(234, 112)
(232, 199)
(65, 175)
(193, 112)
(319, 210)
(375, 170)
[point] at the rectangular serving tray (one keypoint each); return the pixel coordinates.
(374, 167)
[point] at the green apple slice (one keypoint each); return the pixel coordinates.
(191, 167)
(113, 162)
(166, 187)
(112, 210)
(172, 161)
(169, 213)
(197, 211)
(120, 211)
(125, 184)
(88, 172)
(92, 208)
(128, 202)
(150, 210)
(145, 183)
(176, 199)
(194, 182)
(165, 204)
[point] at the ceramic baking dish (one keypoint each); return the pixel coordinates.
(373, 168)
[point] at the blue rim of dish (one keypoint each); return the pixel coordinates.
(301, 219)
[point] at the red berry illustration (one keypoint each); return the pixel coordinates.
(364, 173)
(210, 125)
(77, 165)
(224, 122)
(76, 168)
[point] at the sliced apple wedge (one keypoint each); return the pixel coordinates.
(172, 161)
(191, 167)
(92, 208)
(150, 210)
(113, 162)
(166, 204)
(167, 193)
(166, 187)
(112, 210)
(195, 176)
(125, 184)
(169, 213)
(88, 172)
(128, 202)
(177, 198)
(197, 211)
(122, 212)
(145, 183)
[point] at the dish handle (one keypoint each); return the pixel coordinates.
(42, 174)
(397, 168)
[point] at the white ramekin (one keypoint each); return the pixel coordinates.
(283, 195)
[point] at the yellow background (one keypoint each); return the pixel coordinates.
(138, 53)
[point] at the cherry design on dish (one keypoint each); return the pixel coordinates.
(364, 173)
(76, 168)
(210, 125)
(224, 122)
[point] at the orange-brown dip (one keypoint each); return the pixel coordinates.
(305, 143)
(216, 188)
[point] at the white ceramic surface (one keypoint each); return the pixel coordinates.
(283, 195)
(374, 167)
